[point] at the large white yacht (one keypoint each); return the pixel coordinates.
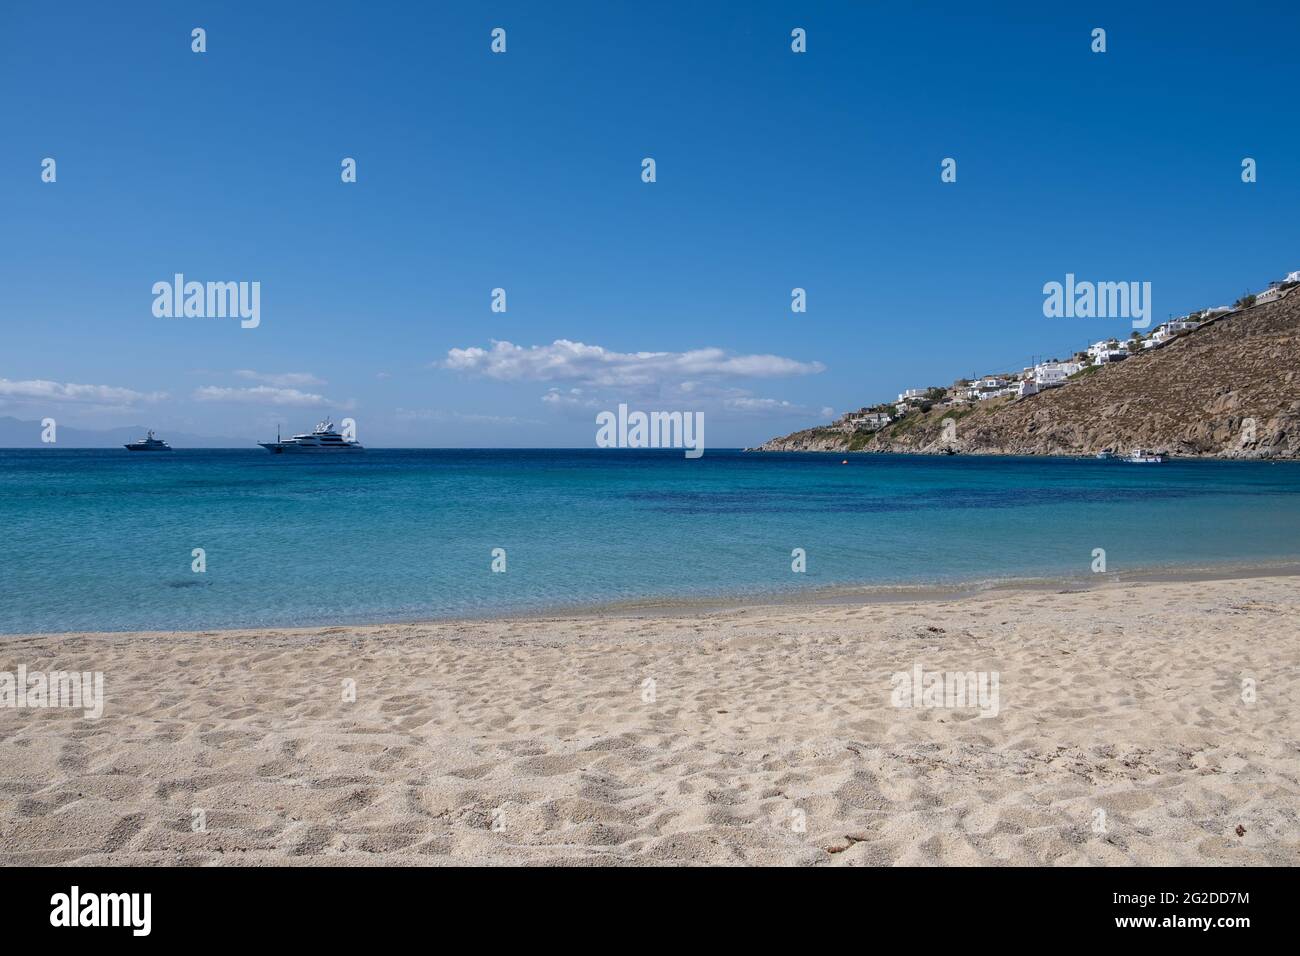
(323, 440)
(148, 443)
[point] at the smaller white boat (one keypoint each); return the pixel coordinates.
(1141, 456)
(1106, 455)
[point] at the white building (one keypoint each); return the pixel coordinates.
(985, 387)
(1099, 348)
(1051, 374)
(1292, 277)
(872, 420)
(1170, 329)
(1107, 350)
(912, 395)
(1271, 294)
(990, 386)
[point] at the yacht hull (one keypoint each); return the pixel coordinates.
(285, 448)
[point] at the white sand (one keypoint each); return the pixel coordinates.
(1126, 700)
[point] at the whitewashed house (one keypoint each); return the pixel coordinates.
(1271, 294)
(992, 386)
(1098, 348)
(912, 395)
(1291, 277)
(1107, 350)
(1173, 327)
(1052, 374)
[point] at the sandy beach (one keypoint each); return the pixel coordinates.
(1125, 730)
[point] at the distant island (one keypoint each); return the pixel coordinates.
(1222, 382)
(20, 433)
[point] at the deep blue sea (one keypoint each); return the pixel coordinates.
(102, 539)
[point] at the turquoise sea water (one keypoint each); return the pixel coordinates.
(102, 539)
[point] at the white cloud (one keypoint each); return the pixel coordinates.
(280, 379)
(758, 404)
(566, 361)
(746, 404)
(262, 395)
(572, 398)
(42, 390)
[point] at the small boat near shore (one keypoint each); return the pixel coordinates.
(148, 443)
(1141, 456)
(1106, 455)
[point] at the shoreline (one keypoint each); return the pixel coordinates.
(802, 597)
(1170, 457)
(1136, 724)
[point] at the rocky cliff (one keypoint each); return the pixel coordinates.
(1229, 389)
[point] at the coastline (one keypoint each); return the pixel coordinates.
(767, 734)
(920, 593)
(801, 596)
(939, 451)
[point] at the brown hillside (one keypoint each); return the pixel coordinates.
(1196, 396)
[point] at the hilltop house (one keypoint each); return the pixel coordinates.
(1052, 374)
(1271, 294)
(871, 421)
(1172, 328)
(1107, 350)
(877, 419)
(912, 395)
(990, 386)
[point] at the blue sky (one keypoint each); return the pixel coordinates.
(522, 171)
